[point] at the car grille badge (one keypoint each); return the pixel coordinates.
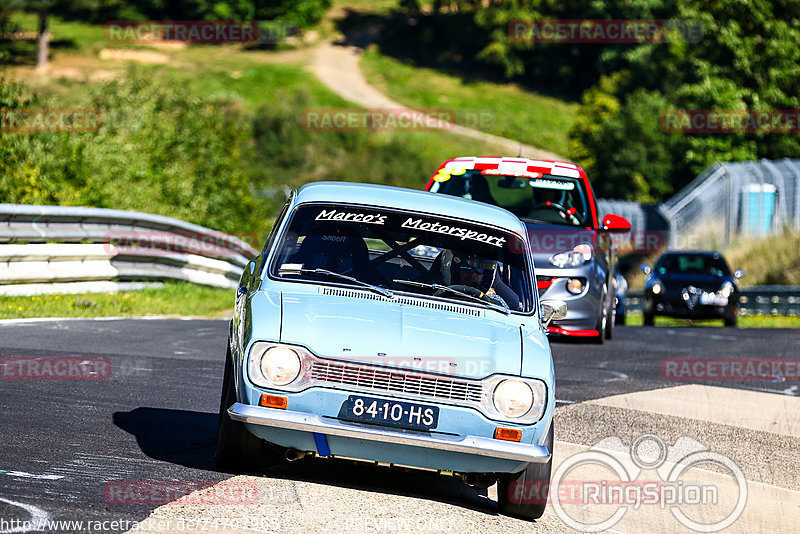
(691, 295)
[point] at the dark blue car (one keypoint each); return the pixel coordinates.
(691, 285)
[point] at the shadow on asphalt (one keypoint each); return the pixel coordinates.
(176, 436)
(189, 439)
(383, 480)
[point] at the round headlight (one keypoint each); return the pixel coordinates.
(727, 290)
(656, 288)
(280, 365)
(513, 398)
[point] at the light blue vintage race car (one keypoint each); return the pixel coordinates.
(396, 327)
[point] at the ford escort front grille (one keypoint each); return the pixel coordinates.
(394, 381)
(403, 300)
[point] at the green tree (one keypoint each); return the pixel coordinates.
(744, 61)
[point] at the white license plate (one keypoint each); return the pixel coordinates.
(712, 299)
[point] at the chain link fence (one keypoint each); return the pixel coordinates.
(729, 200)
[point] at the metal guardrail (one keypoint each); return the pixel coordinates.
(754, 300)
(54, 248)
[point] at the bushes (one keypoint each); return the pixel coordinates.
(158, 150)
(164, 149)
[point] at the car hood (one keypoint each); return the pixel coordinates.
(401, 335)
(548, 239)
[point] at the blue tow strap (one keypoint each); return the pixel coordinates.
(322, 444)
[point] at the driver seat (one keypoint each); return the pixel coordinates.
(343, 254)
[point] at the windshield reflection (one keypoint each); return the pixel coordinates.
(405, 251)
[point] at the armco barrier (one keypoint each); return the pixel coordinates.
(754, 300)
(52, 248)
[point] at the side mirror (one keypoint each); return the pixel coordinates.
(616, 224)
(553, 310)
(645, 268)
(738, 273)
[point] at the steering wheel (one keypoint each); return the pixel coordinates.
(469, 290)
(564, 212)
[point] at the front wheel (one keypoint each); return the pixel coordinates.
(731, 320)
(602, 318)
(524, 494)
(611, 319)
(237, 448)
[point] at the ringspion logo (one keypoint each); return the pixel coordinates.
(593, 489)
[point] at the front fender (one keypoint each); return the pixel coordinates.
(537, 362)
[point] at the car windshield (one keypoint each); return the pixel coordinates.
(405, 251)
(546, 198)
(710, 265)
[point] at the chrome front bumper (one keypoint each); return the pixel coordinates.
(305, 422)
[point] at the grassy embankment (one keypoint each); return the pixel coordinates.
(502, 109)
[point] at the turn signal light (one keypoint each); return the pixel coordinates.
(274, 401)
(508, 434)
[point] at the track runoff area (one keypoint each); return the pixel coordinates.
(662, 430)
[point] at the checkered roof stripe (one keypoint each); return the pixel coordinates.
(511, 165)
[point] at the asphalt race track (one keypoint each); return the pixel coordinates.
(66, 443)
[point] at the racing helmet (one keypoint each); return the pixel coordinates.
(455, 261)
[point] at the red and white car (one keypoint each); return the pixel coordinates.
(574, 257)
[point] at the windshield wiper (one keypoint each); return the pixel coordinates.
(293, 269)
(440, 287)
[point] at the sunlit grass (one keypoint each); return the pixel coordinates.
(180, 299)
(502, 109)
(745, 321)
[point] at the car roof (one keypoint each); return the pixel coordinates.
(409, 199)
(544, 166)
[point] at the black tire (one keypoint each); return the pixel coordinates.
(611, 320)
(237, 448)
(620, 318)
(601, 324)
(535, 479)
(649, 319)
(731, 321)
